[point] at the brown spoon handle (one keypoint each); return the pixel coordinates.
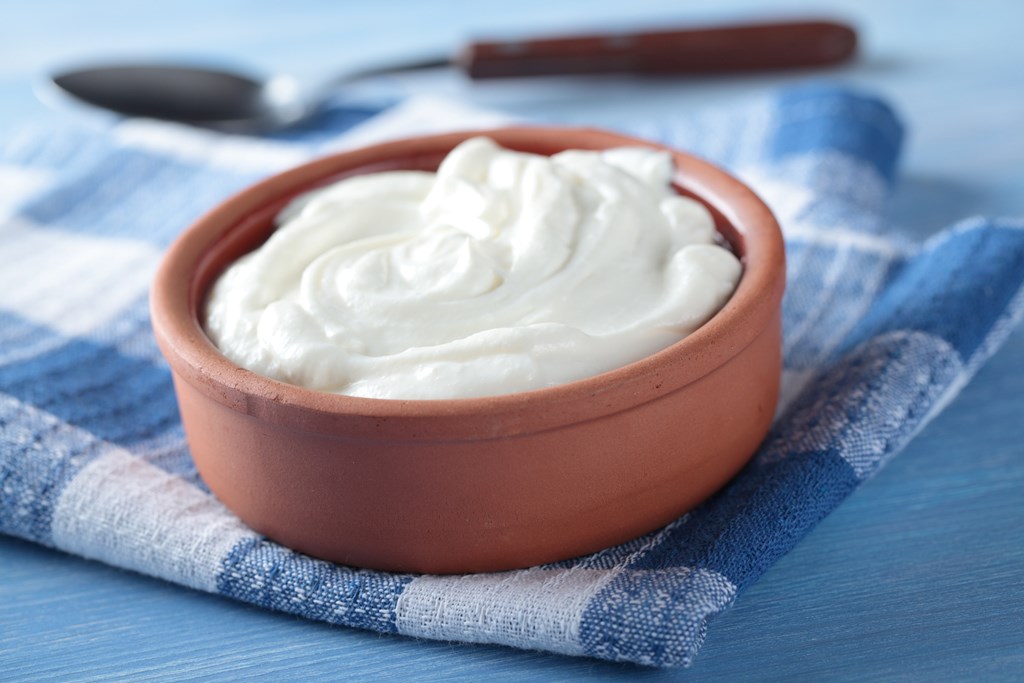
(753, 47)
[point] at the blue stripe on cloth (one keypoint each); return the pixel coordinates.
(957, 288)
(138, 194)
(39, 456)
(742, 530)
(20, 338)
(131, 333)
(268, 575)
(94, 386)
(141, 415)
(654, 617)
(327, 123)
(72, 152)
(819, 117)
(845, 212)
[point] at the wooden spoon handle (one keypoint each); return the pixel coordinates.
(753, 47)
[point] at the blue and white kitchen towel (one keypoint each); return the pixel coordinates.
(880, 334)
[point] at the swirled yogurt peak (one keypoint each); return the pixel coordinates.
(501, 272)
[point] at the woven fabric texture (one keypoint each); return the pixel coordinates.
(880, 333)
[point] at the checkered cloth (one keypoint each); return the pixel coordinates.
(880, 334)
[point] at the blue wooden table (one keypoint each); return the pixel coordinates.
(920, 575)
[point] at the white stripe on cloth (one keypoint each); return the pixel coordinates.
(19, 184)
(195, 146)
(422, 115)
(128, 513)
(530, 608)
(534, 608)
(792, 385)
(830, 335)
(840, 236)
(71, 282)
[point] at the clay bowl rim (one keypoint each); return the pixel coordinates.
(176, 301)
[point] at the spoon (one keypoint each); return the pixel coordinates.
(234, 102)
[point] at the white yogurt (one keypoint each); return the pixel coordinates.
(502, 272)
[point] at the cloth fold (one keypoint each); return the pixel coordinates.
(881, 333)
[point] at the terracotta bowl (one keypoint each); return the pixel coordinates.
(479, 484)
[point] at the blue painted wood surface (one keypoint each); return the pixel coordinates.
(920, 575)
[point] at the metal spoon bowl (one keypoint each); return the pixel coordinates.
(205, 96)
